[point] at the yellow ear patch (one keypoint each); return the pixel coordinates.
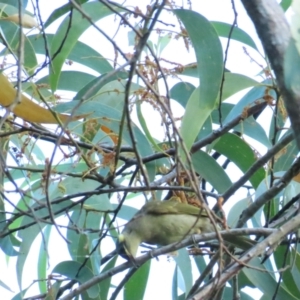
(121, 238)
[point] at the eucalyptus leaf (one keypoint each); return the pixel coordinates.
(70, 269)
(209, 56)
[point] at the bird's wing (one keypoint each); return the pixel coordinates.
(171, 207)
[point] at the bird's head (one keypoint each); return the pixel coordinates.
(127, 244)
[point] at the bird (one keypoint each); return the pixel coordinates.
(164, 222)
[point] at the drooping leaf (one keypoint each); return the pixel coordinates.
(265, 281)
(291, 67)
(223, 30)
(70, 269)
(31, 233)
(236, 82)
(70, 80)
(184, 264)
(105, 285)
(285, 158)
(241, 154)
(15, 2)
(285, 4)
(96, 11)
(106, 88)
(137, 291)
(81, 53)
(211, 171)
(60, 11)
(209, 56)
(289, 280)
(181, 92)
(10, 33)
(42, 263)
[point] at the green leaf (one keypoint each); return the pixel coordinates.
(144, 126)
(70, 80)
(255, 94)
(105, 285)
(29, 234)
(225, 110)
(70, 270)
(249, 126)
(126, 212)
(15, 2)
(279, 121)
(184, 263)
(110, 118)
(254, 130)
(285, 4)
(188, 70)
(106, 88)
(42, 262)
(235, 83)
(209, 56)
(289, 281)
(7, 246)
(132, 290)
(265, 281)
(181, 92)
(241, 154)
(163, 41)
(285, 158)
(236, 210)
(292, 68)
(80, 53)
(89, 57)
(206, 129)
(20, 296)
(87, 217)
(78, 218)
(175, 284)
(211, 171)
(10, 32)
(200, 264)
(96, 11)
(53, 290)
(228, 294)
(193, 120)
(223, 30)
(60, 11)
(5, 286)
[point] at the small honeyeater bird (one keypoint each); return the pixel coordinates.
(165, 222)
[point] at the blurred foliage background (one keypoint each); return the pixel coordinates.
(162, 116)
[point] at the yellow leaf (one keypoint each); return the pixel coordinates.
(32, 112)
(27, 20)
(297, 178)
(26, 109)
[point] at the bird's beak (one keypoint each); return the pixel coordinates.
(122, 249)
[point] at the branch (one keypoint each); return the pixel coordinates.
(259, 249)
(257, 165)
(211, 137)
(167, 249)
(270, 193)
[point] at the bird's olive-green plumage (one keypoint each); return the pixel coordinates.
(165, 222)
